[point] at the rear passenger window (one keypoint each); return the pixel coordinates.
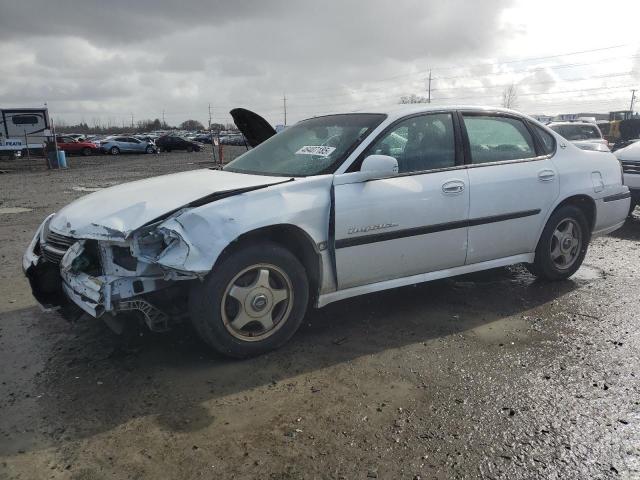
(546, 139)
(420, 143)
(496, 139)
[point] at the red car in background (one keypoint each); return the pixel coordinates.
(78, 147)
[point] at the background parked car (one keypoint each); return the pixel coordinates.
(80, 147)
(584, 135)
(203, 138)
(629, 157)
(233, 140)
(168, 143)
(117, 145)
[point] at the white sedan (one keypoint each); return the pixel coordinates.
(330, 208)
(629, 157)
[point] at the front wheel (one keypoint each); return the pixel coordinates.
(86, 151)
(251, 303)
(149, 149)
(632, 207)
(114, 151)
(562, 245)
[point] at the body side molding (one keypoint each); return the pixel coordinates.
(440, 227)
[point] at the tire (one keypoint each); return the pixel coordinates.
(86, 151)
(114, 151)
(189, 149)
(556, 258)
(214, 309)
(149, 149)
(167, 149)
(632, 207)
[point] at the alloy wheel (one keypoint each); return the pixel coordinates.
(566, 243)
(257, 302)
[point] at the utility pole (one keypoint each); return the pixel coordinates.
(132, 120)
(284, 102)
(209, 116)
(633, 99)
(163, 122)
(429, 88)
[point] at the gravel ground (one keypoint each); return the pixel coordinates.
(489, 375)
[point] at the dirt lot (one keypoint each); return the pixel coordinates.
(483, 376)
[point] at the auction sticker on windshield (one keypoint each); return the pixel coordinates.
(320, 150)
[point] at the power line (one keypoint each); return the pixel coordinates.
(473, 76)
(529, 59)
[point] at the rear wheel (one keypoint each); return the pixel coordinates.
(189, 149)
(632, 207)
(114, 151)
(252, 302)
(86, 151)
(149, 149)
(562, 245)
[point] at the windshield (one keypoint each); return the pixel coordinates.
(577, 132)
(311, 147)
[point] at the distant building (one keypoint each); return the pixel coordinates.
(543, 118)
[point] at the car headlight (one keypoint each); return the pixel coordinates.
(44, 231)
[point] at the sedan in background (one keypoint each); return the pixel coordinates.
(203, 138)
(586, 136)
(118, 145)
(168, 143)
(78, 147)
(629, 157)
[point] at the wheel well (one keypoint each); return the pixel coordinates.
(293, 238)
(584, 203)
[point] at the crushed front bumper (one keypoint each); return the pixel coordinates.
(63, 287)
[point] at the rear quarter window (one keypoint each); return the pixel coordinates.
(547, 142)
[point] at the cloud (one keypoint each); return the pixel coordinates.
(111, 59)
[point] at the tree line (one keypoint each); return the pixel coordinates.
(139, 127)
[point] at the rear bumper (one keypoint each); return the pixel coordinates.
(632, 181)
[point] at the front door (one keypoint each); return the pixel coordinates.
(407, 224)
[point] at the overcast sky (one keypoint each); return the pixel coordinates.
(97, 60)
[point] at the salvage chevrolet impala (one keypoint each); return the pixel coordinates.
(333, 207)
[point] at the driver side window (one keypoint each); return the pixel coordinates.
(426, 142)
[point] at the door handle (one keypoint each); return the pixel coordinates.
(546, 175)
(453, 187)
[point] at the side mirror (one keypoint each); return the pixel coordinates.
(379, 166)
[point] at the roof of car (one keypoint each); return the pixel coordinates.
(577, 122)
(401, 110)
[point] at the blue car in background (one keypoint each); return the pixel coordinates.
(121, 144)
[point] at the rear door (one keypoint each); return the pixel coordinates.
(407, 224)
(513, 184)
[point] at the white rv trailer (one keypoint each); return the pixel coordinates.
(22, 128)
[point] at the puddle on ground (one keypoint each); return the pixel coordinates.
(82, 188)
(587, 272)
(11, 210)
(504, 330)
(94, 187)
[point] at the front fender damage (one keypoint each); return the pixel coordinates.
(193, 243)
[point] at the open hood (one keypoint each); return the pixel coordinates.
(255, 128)
(115, 212)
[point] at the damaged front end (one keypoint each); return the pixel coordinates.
(107, 274)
